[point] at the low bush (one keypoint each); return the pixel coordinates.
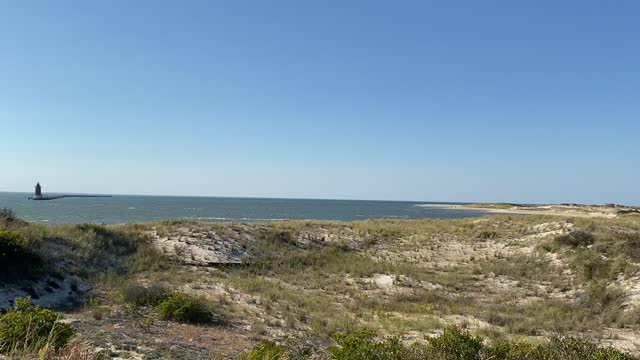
(362, 346)
(266, 350)
(27, 329)
(508, 350)
(12, 243)
(576, 239)
(487, 235)
(185, 308)
(455, 343)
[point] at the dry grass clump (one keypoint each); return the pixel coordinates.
(75, 350)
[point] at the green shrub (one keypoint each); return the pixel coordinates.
(509, 350)
(576, 239)
(184, 308)
(362, 346)
(266, 350)
(28, 328)
(455, 344)
(487, 235)
(12, 243)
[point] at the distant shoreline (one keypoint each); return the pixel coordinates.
(586, 211)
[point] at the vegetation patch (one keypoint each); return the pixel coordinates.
(28, 328)
(266, 350)
(576, 239)
(185, 308)
(453, 344)
(9, 219)
(145, 296)
(277, 236)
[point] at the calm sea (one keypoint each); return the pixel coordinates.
(128, 208)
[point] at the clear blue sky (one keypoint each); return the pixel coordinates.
(522, 101)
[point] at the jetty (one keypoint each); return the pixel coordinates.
(39, 196)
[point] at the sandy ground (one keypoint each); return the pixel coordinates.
(449, 251)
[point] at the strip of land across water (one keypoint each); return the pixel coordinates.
(589, 211)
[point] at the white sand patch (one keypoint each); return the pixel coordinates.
(383, 281)
(199, 248)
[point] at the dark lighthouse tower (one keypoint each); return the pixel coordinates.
(38, 190)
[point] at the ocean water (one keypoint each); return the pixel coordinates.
(128, 208)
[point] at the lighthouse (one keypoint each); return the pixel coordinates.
(38, 191)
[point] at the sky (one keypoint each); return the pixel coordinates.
(509, 101)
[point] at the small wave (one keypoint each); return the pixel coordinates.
(236, 219)
(131, 208)
(277, 219)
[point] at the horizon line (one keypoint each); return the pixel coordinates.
(327, 199)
